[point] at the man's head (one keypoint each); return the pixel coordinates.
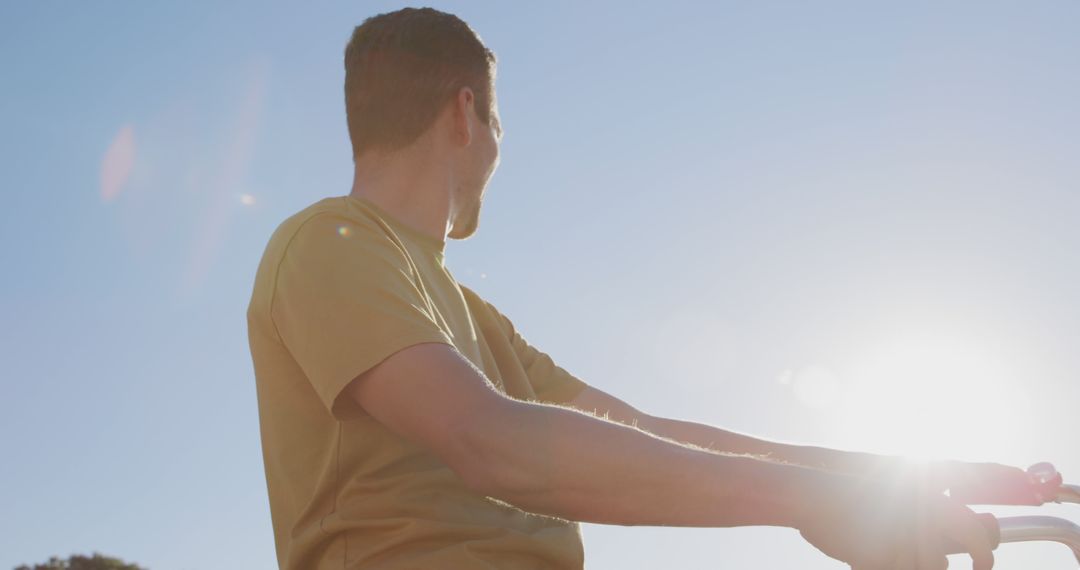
(407, 70)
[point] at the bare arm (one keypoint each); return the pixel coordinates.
(974, 483)
(597, 402)
(561, 462)
(557, 461)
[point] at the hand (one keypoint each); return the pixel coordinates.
(886, 527)
(968, 483)
(990, 483)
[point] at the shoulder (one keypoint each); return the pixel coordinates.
(474, 301)
(485, 311)
(334, 220)
(335, 235)
(329, 241)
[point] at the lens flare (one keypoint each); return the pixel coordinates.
(815, 386)
(232, 173)
(117, 164)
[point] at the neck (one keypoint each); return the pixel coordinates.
(413, 184)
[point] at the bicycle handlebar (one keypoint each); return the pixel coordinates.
(1068, 494)
(1038, 528)
(1033, 528)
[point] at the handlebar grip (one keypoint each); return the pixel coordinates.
(993, 532)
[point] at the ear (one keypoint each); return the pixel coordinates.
(463, 109)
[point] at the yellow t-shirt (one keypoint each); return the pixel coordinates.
(341, 286)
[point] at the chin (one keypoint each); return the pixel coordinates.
(468, 225)
(463, 232)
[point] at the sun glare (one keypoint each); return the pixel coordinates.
(931, 396)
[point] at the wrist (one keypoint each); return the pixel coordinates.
(805, 493)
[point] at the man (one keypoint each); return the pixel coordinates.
(407, 423)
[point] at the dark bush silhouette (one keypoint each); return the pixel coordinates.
(79, 562)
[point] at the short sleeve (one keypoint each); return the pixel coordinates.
(552, 383)
(344, 300)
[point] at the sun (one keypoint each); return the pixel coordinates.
(931, 395)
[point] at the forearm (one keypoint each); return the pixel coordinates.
(720, 440)
(560, 462)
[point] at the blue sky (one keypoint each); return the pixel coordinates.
(843, 223)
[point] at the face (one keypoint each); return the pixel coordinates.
(483, 159)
